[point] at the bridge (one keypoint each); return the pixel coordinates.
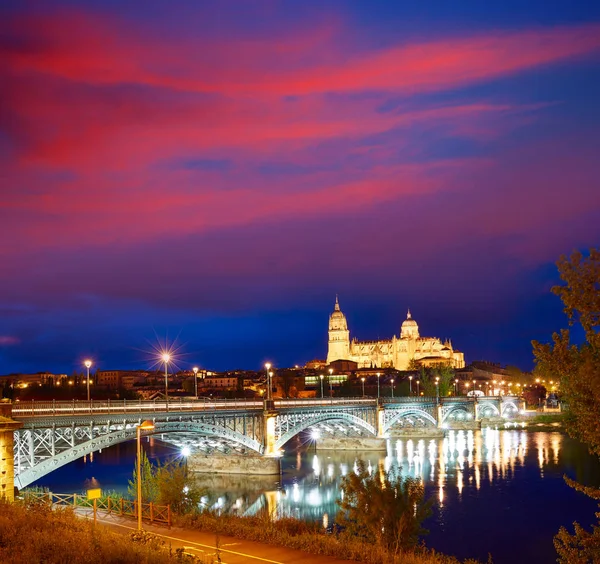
(39, 437)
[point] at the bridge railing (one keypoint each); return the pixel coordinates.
(56, 408)
(22, 409)
(151, 512)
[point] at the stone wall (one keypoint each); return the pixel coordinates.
(351, 443)
(233, 464)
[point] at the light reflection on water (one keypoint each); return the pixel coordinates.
(310, 481)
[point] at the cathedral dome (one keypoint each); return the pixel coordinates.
(409, 329)
(337, 320)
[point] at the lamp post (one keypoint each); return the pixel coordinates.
(466, 388)
(456, 387)
(88, 364)
(166, 357)
(378, 375)
(195, 369)
(269, 390)
(418, 382)
(474, 394)
(437, 387)
(363, 386)
(330, 386)
(410, 385)
(321, 377)
(145, 426)
(392, 386)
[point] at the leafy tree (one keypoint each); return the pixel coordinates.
(150, 489)
(168, 483)
(578, 370)
(382, 508)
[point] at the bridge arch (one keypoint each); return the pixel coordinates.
(403, 413)
(127, 433)
(509, 408)
(458, 412)
(307, 422)
(487, 409)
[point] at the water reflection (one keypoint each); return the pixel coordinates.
(461, 461)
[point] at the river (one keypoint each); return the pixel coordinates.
(495, 491)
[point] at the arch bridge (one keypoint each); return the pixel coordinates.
(39, 437)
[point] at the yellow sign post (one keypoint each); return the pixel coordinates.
(94, 494)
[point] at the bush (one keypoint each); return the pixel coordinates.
(38, 533)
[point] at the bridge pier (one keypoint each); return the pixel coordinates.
(245, 464)
(7, 461)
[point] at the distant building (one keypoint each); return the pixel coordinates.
(397, 352)
(120, 378)
(38, 379)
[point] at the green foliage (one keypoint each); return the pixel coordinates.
(427, 377)
(168, 483)
(308, 537)
(578, 370)
(383, 509)
(150, 489)
(38, 533)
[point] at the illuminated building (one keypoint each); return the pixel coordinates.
(396, 352)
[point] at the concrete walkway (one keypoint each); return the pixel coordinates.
(203, 545)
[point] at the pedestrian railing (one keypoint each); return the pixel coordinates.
(56, 408)
(151, 512)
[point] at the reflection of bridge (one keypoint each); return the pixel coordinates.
(48, 435)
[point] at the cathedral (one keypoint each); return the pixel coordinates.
(396, 352)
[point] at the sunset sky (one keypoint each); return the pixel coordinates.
(216, 172)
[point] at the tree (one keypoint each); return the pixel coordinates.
(167, 483)
(578, 370)
(382, 508)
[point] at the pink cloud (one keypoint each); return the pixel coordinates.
(7, 341)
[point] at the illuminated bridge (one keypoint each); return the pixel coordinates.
(48, 435)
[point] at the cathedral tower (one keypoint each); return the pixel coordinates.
(339, 336)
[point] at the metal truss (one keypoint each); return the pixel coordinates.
(416, 415)
(45, 445)
(288, 425)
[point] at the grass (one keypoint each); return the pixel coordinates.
(37, 533)
(308, 537)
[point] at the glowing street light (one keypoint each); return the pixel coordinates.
(437, 387)
(410, 385)
(88, 364)
(418, 382)
(269, 374)
(378, 375)
(195, 369)
(330, 385)
(392, 386)
(166, 357)
(456, 387)
(321, 377)
(145, 426)
(363, 386)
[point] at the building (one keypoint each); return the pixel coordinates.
(120, 378)
(397, 352)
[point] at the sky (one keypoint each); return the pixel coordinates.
(214, 173)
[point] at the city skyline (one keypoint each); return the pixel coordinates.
(221, 174)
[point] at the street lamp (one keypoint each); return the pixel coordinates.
(88, 364)
(392, 386)
(456, 387)
(269, 390)
(321, 377)
(145, 426)
(363, 385)
(378, 375)
(410, 385)
(437, 387)
(195, 369)
(330, 386)
(418, 382)
(166, 357)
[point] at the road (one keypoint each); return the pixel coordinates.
(201, 544)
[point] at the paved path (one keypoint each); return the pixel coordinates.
(201, 544)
